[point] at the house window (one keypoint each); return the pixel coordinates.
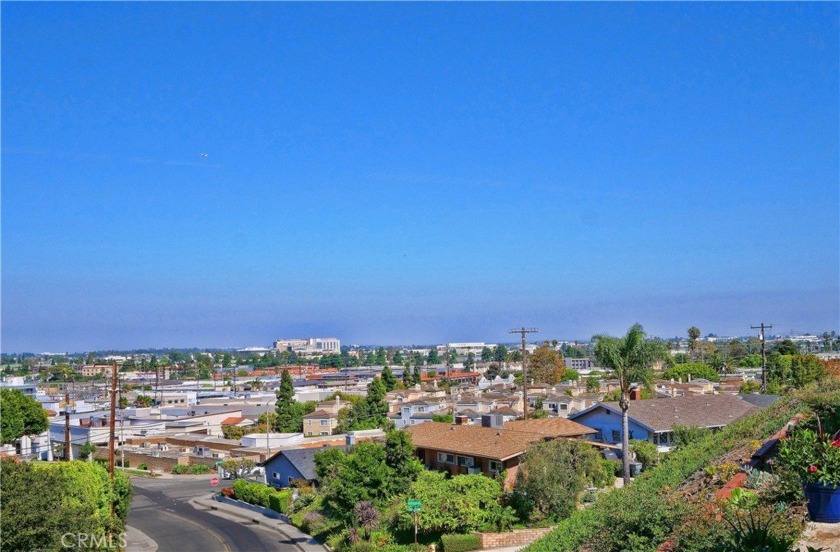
(421, 409)
(495, 466)
(325, 433)
(325, 423)
(564, 407)
(616, 435)
(275, 475)
(467, 461)
(445, 458)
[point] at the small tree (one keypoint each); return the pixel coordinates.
(400, 459)
(367, 517)
(87, 450)
(388, 379)
(20, 415)
(552, 475)
(545, 365)
(144, 401)
(289, 413)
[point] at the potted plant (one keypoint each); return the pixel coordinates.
(816, 458)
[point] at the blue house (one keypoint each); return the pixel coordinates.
(653, 420)
(287, 465)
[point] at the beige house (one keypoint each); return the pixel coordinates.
(320, 422)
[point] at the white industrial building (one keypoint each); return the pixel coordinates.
(311, 345)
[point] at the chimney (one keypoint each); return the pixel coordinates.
(350, 439)
(461, 420)
(635, 394)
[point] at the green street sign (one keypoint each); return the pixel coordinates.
(414, 505)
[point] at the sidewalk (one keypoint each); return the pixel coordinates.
(303, 541)
(138, 541)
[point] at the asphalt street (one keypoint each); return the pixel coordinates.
(161, 510)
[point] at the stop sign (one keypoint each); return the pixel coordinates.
(214, 481)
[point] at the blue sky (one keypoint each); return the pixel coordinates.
(415, 173)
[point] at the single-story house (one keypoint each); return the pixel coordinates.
(462, 449)
(653, 420)
(287, 465)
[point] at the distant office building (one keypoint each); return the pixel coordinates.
(324, 345)
(578, 363)
(465, 348)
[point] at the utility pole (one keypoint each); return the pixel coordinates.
(267, 430)
(763, 327)
(523, 331)
(67, 449)
(122, 431)
(111, 433)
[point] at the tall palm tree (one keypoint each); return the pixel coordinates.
(630, 358)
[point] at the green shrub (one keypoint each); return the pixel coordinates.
(142, 467)
(460, 543)
(280, 501)
(253, 493)
(41, 502)
(646, 452)
(363, 547)
(194, 469)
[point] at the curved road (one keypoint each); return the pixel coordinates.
(161, 510)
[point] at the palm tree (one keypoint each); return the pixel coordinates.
(630, 358)
(693, 336)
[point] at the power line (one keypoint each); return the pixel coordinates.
(523, 331)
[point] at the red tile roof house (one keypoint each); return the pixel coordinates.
(463, 449)
(238, 421)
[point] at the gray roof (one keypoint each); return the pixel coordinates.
(696, 410)
(303, 460)
(762, 401)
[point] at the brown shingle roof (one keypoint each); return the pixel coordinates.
(693, 410)
(320, 414)
(496, 444)
(550, 427)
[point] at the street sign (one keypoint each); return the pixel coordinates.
(414, 508)
(215, 481)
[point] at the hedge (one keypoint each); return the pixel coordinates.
(253, 493)
(460, 543)
(280, 501)
(642, 516)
